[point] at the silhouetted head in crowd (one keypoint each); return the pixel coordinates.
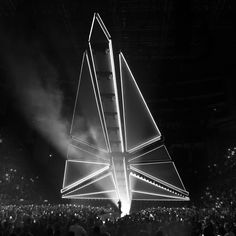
(96, 230)
(159, 233)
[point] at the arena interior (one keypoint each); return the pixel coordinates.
(182, 55)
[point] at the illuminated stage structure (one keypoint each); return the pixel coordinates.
(115, 151)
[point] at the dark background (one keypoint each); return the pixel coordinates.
(182, 54)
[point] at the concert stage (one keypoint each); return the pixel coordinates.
(116, 151)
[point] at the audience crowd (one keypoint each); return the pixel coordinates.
(25, 212)
(17, 184)
(70, 219)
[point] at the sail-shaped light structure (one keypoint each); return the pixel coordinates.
(110, 155)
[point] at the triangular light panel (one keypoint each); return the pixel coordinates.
(104, 184)
(87, 126)
(76, 172)
(166, 173)
(142, 185)
(140, 127)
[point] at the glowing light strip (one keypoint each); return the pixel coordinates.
(153, 139)
(158, 195)
(154, 184)
(94, 90)
(77, 93)
(98, 198)
(152, 163)
(156, 163)
(90, 194)
(103, 25)
(114, 171)
(87, 144)
(164, 199)
(99, 20)
(116, 93)
(65, 174)
(132, 159)
(144, 144)
(158, 180)
(78, 197)
(91, 28)
(123, 105)
(83, 150)
(126, 180)
(90, 162)
(84, 179)
(179, 176)
(99, 96)
(92, 182)
(114, 182)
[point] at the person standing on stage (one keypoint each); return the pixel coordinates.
(119, 206)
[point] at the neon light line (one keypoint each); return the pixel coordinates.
(158, 195)
(164, 199)
(92, 182)
(144, 144)
(83, 150)
(145, 153)
(90, 162)
(179, 176)
(114, 171)
(154, 184)
(77, 93)
(103, 25)
(114, 181)
(87, 144)
(158, 180)
(151, 163)
(78, 197)
(85, 178)
(105, 33)
(91, 29)
(94, 90)
(116, 93)
(167, 200)
(89, 194)
(126, 180)
(123, 106)
(99, 96)
(65, 174)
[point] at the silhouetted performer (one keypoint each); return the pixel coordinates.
(119, 206)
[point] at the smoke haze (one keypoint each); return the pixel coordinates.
(39, 98)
